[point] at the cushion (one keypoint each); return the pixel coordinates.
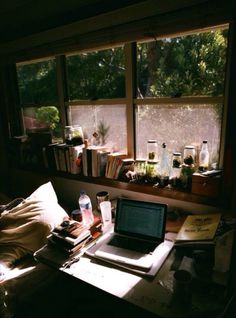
(24, 228)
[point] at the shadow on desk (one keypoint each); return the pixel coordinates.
(57, 294)
(92, 287)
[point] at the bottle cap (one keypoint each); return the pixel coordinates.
(177, 153)
(189, 147)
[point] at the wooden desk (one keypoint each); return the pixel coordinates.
(152, 296)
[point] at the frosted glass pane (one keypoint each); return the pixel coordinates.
(113, 117)
(178, 126)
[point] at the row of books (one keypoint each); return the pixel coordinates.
(100, 162)
(63, 157)
(117, 165)
(93, 161)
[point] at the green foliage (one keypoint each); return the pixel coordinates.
(99, 74)
(48, 115)
(37, 82)
(188, 65)
(103, 130)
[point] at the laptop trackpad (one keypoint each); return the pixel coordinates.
(125, 256)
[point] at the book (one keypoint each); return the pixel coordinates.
(65, 246)
(101, 163)
(97, 224)
(199, 228)
(126, 165)
(113, 161)
(93, 160)
(73, 232)
(75, 159)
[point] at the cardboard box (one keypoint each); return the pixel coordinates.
(206, 185)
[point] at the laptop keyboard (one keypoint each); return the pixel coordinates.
(132, 244)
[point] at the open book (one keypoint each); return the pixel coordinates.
(200, 228)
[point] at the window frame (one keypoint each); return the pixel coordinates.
(131, 100)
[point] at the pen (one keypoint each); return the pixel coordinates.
(71, 261)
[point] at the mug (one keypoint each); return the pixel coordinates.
(100, 197)
(77, 215)
(182, 287)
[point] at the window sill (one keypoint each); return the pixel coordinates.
(139, 188)
(149, 189)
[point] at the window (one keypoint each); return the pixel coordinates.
(37, 84)
(190, 65)
(96, 89)
(179, 125)
(180, 88)
(96, 75)
(179, 96)
(109, 121)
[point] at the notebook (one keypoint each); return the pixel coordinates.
(138, 233)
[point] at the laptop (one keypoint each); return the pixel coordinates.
(138, 233)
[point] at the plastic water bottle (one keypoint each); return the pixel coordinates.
(86, 209)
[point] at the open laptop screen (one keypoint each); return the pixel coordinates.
(141, 219)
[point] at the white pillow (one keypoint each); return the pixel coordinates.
(24, 229)
(52, 213)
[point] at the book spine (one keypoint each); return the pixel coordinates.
(84, 162)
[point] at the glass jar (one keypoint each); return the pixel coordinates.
(151, 171)
(186, 176)
(189, 155)
(176, 160)
(140, 169)
(152, 149)
(176, 169)
(73, 135)
(77, 135)
(68, 134)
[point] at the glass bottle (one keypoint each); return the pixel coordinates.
(152, 149)
(86, 209)
(204, 157)
(164, 167)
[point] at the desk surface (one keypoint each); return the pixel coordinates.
(151, 294)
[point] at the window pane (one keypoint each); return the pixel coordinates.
(101, 118)
(42, 118)
(179, 125)
(183, 66)
(99, 74)
(30, 121)
(37, 82)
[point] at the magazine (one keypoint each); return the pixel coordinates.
(198, 228)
